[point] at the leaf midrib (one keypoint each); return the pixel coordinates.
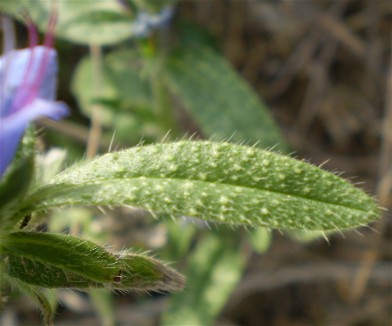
(216, 183)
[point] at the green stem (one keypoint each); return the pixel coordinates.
(155, 56)
(95, 129)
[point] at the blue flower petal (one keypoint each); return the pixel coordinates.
(12, 127)
(15, 65)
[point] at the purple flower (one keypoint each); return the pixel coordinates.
(27, 89)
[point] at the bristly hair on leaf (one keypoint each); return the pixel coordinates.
(215, 181)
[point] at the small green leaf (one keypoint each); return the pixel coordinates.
(219, 100)
(220, 182)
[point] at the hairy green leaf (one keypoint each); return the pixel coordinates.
(220, 182)
(218, 99)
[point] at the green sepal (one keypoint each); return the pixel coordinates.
(59, 261)
(34, 272)
(147, 274)
(57, 252)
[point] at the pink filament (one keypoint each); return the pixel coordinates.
(31, 29)
(28, 91)
(49, 37)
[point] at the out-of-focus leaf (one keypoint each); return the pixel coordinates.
(82, 219)
(43, 298)
(49, 164)
(180, 234)
(122, 81)
(151, 5)
(193, 35)
(82, 87)
(124, 72)
(88, 22)
(103, 303)
(260, 239)
(125, 99)
(219, 182)
(218, 99)
(214, 267)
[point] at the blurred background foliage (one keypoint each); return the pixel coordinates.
(304, 76)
